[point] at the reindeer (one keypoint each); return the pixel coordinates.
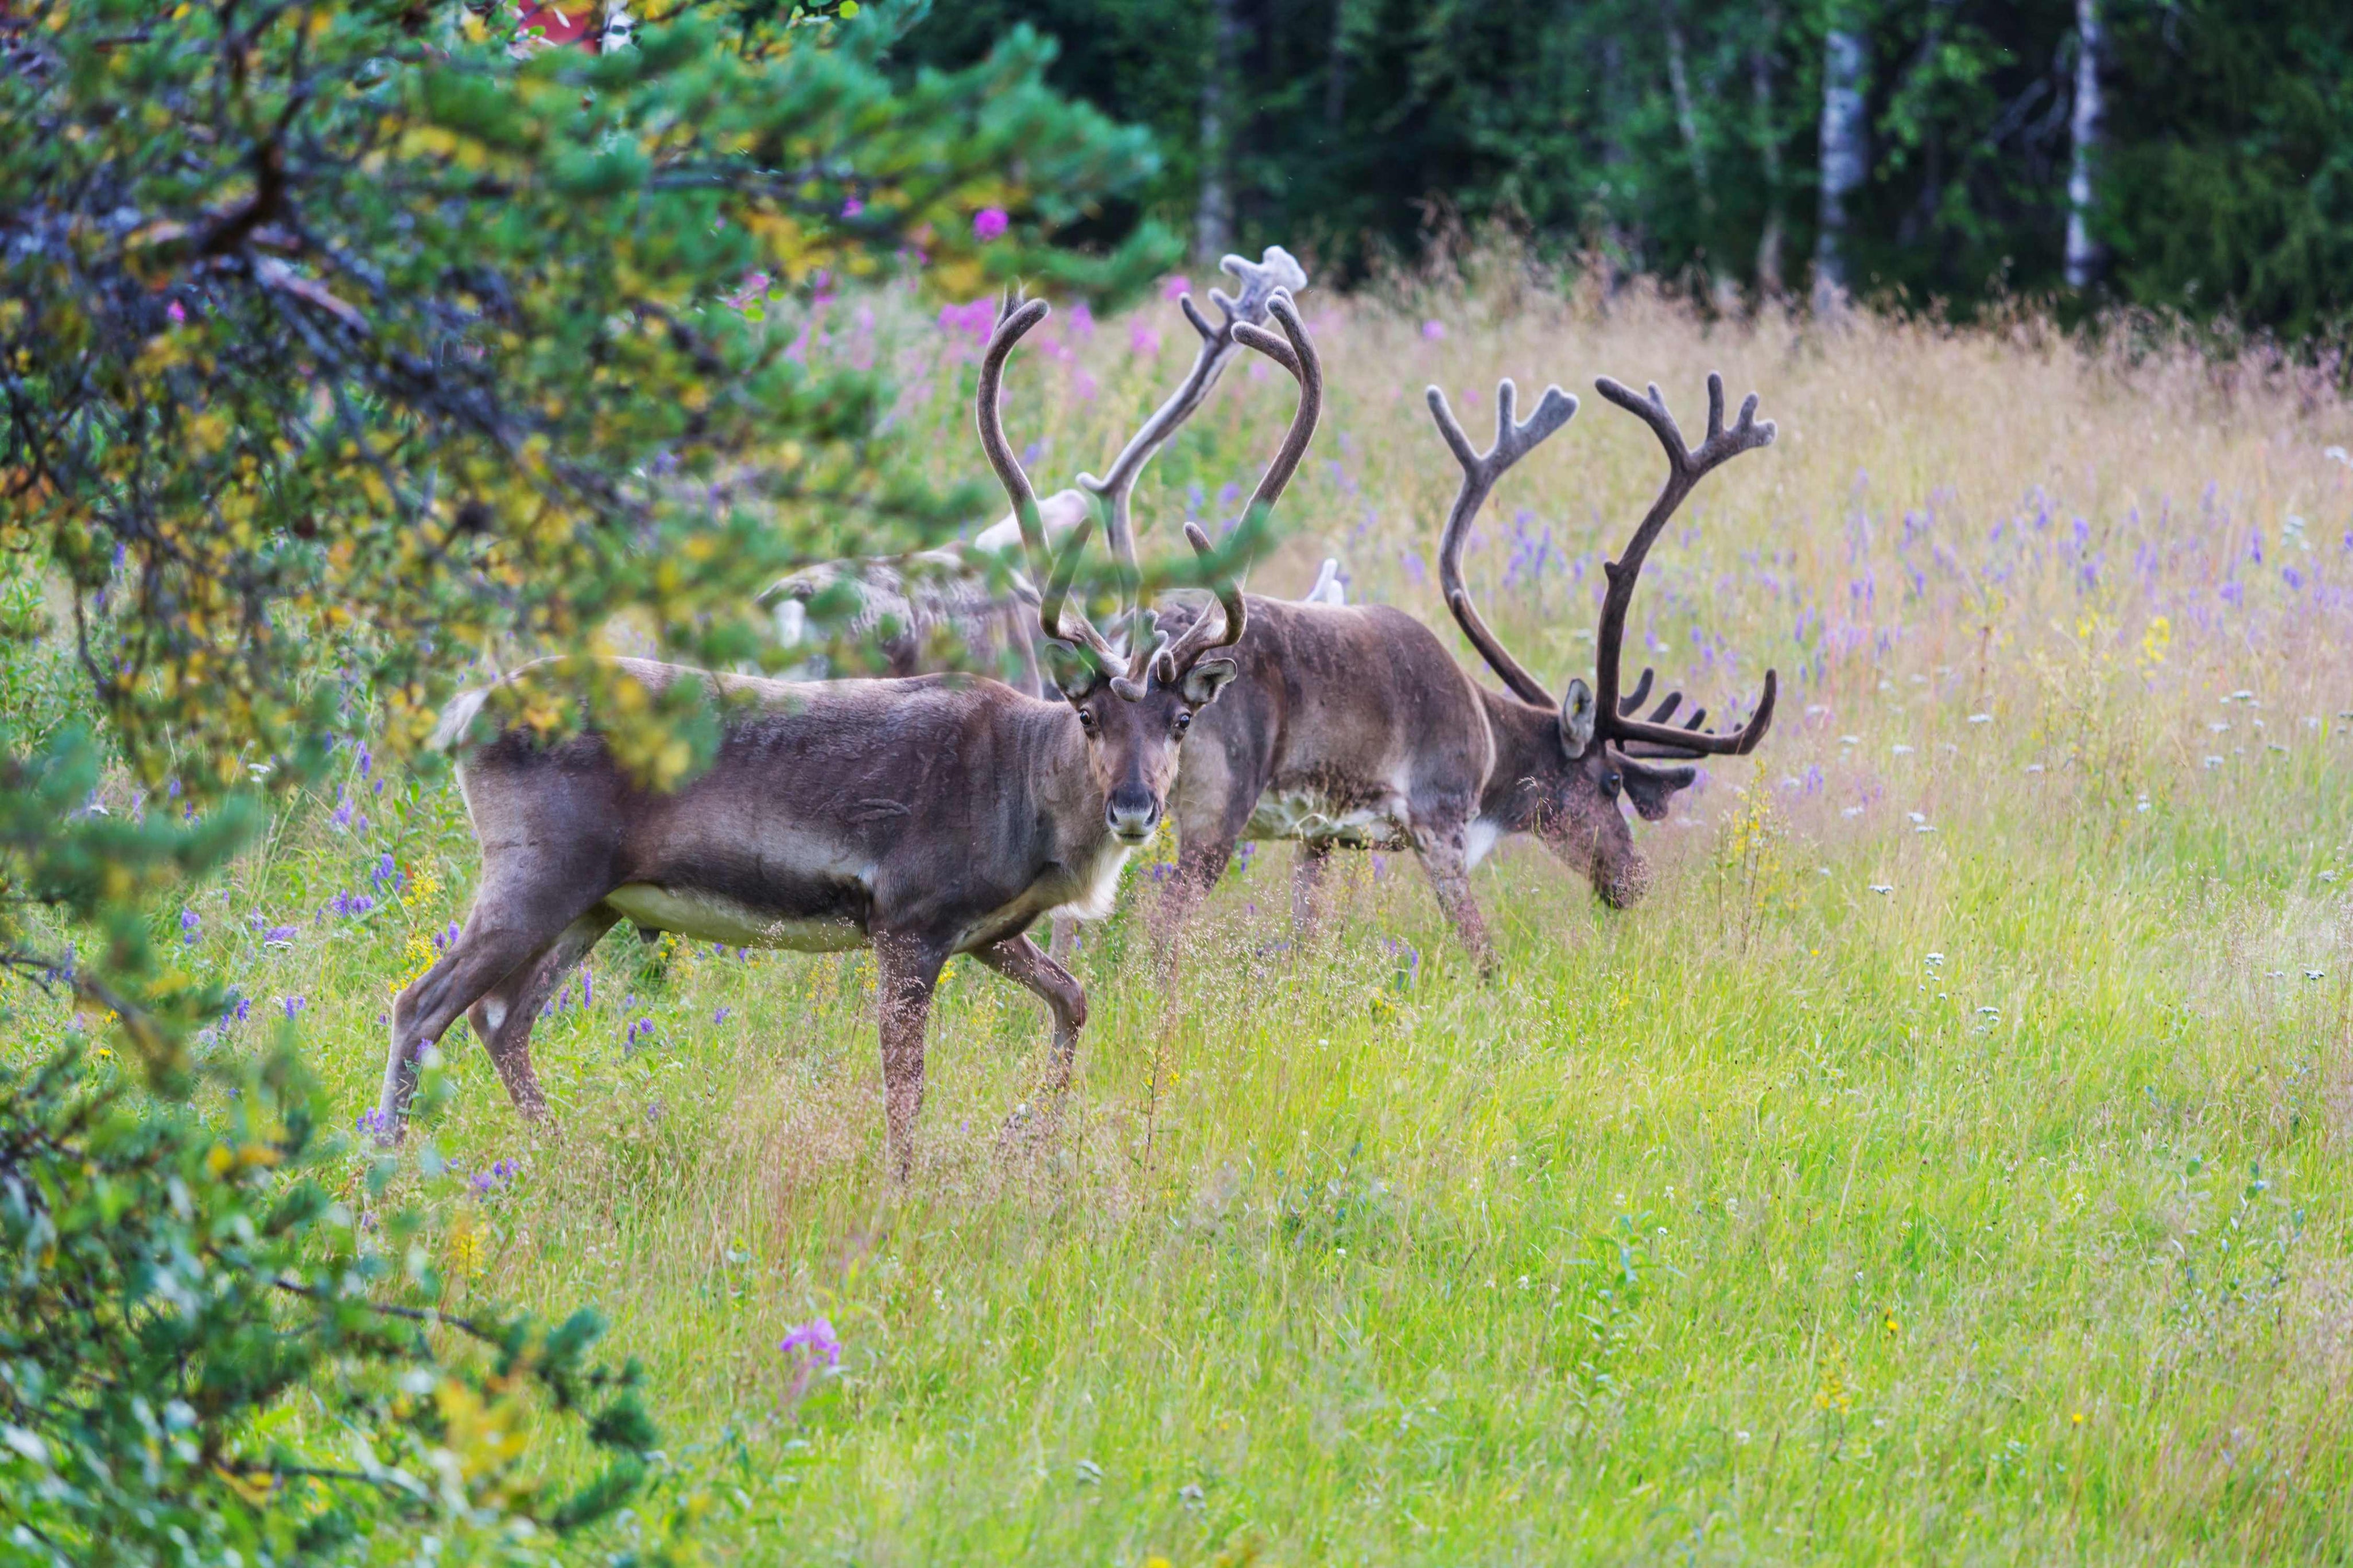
(1354, 727)
(922, 818)
(940, 609)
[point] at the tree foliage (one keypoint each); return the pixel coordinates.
(205, 1358)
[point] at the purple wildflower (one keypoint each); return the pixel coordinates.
(178, 312)
(851, 206)
(720, 1016)
(279, 936)
(1176, 286)
(373, 1124)
(813, 1341)
(1144, 341)
(989, 223)
(189, 926)
(976, 319)
(342, 817)
(294, 1004)
(1431, 332)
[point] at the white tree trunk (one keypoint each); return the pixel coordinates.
(1768, 146)
(2087, 258)
(1687, 113)
(1213, 219)
(1846, 160)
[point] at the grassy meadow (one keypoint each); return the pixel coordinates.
(1950, 1160)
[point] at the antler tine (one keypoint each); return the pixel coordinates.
(1058, 588)
(1198, 637)
(1633, 699)
(1514, 440)
(1011, 327)
(1301, 361)
(1685, 469)
(1260, 280)
(1013, 324)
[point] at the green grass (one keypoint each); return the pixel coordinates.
(1728, 1230)
(2004, 1216)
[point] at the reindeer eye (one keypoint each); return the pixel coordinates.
(1086, 720)
(1611, 784)
(1184, 722)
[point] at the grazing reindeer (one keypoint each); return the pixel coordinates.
(925, 817)
(943, 613)
(1353, 726)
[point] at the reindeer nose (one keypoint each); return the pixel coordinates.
(1132, 813)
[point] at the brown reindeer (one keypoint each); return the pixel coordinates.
(924, 817)
(1354, 727)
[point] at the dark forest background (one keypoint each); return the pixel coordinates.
(2195, 155)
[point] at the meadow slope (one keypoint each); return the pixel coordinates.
(1952, 1159)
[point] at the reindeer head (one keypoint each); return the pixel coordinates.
(1135, 704)
(1601, 756)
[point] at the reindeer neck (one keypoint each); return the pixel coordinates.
(1527, 746)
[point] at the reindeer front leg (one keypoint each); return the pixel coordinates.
(907, 969)
(1446, 861)
(1019, 960)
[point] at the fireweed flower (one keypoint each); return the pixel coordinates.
(1431, 332)
(989, 223)
(812, 1342)
(1144, 341)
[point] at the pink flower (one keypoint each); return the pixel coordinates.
(177, 313)
(989, 223)
(814, 1341)
(852, 208)
(1432, 331)
(976, 318)
(1176, 288)
(1143, 340)
(1082, 320)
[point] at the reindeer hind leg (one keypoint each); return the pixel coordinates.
(503, 1018)
(513, 922)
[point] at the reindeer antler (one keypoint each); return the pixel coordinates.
(1480, 472)
(1014, 321)
(1277, 272)
(1298, 356)
(1685, 469)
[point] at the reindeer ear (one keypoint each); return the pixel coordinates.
(1072, 675)
(1651, 789)
(1576, 718)
(1206, 679)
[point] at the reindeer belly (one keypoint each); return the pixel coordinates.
(715, 917)
(1354, 816)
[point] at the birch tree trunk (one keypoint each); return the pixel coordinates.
(1846, 159)
(1686, 116)
(1770, 278)
(1213, 219)
(2086, 258)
